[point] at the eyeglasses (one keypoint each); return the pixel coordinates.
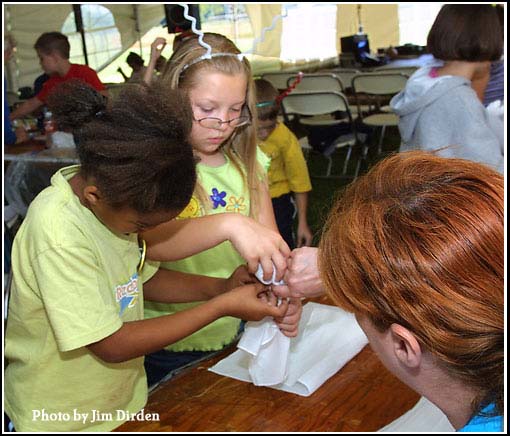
(216, 123)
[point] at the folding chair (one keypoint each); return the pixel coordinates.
(307, 106)
(279, 79)
(377, 87)
(345, 75)
(319, 82)
(408, 71)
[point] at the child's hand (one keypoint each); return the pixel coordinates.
(304, 235)
(157, 47)
(250, 303)
(241, 276)
(257, 243)
(289, 323)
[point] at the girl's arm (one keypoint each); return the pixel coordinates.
(168, 286)
(255, 242)
(137, 338)
(266, 212)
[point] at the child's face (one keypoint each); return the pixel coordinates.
(126, 220)
(265, 128)
(217, 95)
(49, 62)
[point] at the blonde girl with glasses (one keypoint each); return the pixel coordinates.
(76, 334)
(232, 181)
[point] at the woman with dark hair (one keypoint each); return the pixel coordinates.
(439, 110)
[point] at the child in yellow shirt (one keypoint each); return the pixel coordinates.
(288, 173)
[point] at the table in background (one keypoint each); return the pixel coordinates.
(362, 396)
(28, 168)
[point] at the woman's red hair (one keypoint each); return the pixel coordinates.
(419, 241)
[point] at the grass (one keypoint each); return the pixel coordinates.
(325, 190)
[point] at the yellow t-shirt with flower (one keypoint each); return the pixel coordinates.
(226, 192)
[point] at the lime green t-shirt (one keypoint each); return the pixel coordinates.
(288, 171)
(74, 283)
(225, 189)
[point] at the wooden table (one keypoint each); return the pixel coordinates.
(362, 396)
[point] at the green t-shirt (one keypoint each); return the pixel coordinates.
(225, 189)
(74, 283)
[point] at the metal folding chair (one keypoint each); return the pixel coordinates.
(377, 87)
(306, 107)
(279, 79)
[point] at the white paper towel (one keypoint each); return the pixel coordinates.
(328, 338)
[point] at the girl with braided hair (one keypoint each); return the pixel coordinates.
(76, 334)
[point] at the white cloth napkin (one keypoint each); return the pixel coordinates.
(266, 345)
(328, 338)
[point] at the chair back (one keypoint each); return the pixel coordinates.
(327, 118)
(279, 79)
(345, 75)
(376, 83)
(315, 103)
(408, 71)
(322, 82)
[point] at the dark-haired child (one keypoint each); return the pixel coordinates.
(439, 111)
(53, 50)
(76, 336)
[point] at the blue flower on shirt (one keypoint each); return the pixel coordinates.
(217, 198)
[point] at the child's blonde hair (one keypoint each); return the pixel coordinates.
(183, 73)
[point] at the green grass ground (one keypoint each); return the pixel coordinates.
(325, 190)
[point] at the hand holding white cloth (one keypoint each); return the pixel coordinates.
(329, 337)
(266, 345)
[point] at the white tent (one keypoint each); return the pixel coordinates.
(25, 22)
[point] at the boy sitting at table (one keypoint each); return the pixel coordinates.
(53, 50)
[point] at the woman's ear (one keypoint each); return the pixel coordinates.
(92, 194)
(405, 346)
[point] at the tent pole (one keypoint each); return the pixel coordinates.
(137, 26)
(79, 28)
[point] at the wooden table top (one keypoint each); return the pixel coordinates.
(362, 396)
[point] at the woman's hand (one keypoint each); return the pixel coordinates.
(302, 276)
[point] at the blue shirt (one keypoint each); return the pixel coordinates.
(481, 423)
(9, 135)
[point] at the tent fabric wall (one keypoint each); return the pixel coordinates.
(380, 23)
(27, 21)
(261, 16)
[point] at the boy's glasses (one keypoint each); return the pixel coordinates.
(216, 123)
